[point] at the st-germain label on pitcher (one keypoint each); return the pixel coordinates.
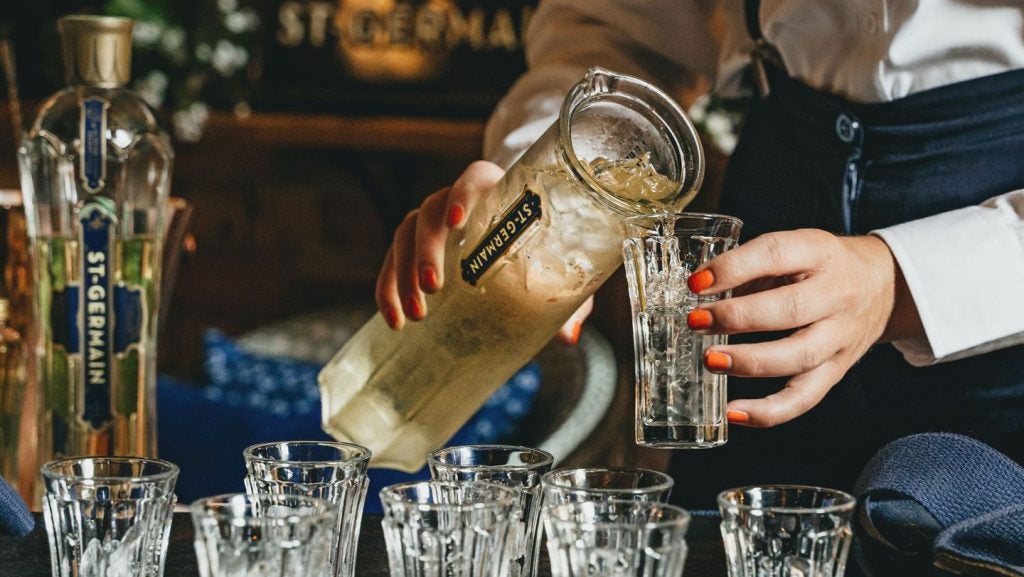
(97, 306)
(93, 134)
(499, 240)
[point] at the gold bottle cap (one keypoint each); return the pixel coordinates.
(97, 50)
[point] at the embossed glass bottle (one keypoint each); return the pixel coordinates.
(538, 244)
(95, 170)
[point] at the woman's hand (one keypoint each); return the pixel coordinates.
(838, 293)
(414, 264)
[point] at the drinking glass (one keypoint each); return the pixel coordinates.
(108, 516)
(452, 529)
(616, 539)
(679, 403)
(335, 472)
(574, 485)
(519, 468)
(242, 535)
(786, 530)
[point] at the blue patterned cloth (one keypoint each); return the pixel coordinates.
(15, 518)
(941, 504)
(252, 398)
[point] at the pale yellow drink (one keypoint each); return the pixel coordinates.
(537, 246)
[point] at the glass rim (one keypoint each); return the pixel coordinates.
(658, 217)
(593, 87)
(845, 501)
(666, 482)
(506, 497)
(362, 455)
(547, 459)
(682, 518)
(321, 508)
(168, 469)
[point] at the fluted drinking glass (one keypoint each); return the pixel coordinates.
(335, 472)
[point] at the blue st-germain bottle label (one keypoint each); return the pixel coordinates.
(97, 306)
(98, 319)
(525, 211)
(93, 132)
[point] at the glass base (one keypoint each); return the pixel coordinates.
(681, 436)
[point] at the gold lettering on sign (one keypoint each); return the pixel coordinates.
(430, 28)
(291, 32)
(320, 14)
(503, 32)
(435, 25)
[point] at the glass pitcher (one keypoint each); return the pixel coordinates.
(539, 243)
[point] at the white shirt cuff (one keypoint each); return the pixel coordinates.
(965, 271)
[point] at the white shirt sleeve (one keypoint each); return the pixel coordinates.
(666, 42)
(965, 271)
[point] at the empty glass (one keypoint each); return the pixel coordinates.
(572, 485)
(519, 468)
(616, 539)
(335, 472)
(679, 403)
(436, 528)
(786, 531)
(108, 516)
(241, 535)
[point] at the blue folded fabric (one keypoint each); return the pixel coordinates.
(15, 518)
(252, 398)
(940, 504)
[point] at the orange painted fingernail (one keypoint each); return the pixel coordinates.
(574, 338)
(428, 279)
(737, 417)
(455, 215)
(698, 319)
(717, 361)
(700, 280)
(414, 308)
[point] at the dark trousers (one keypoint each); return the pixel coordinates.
(809, 159)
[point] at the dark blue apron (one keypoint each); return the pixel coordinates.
(810, 159)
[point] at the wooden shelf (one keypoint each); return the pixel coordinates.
(445, 137)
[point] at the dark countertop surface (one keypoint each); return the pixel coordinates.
(30, 556)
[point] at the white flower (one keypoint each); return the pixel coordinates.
(173, 39)
(190, 122)
(226, 6)
(699, 109)
(146, 33)
(152, 88)
(718, 124)
(236, 22)
(228, 57)
(203, 52)
(252, 17)
(726, 143)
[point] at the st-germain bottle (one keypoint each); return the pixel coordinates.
(95, 171)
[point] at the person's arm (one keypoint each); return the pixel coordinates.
(964, 270)
(941, 288)
(666, 42)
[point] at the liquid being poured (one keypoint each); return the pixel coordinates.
(638, 181)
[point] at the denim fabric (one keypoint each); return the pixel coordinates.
(809, 159)
(15, 518)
